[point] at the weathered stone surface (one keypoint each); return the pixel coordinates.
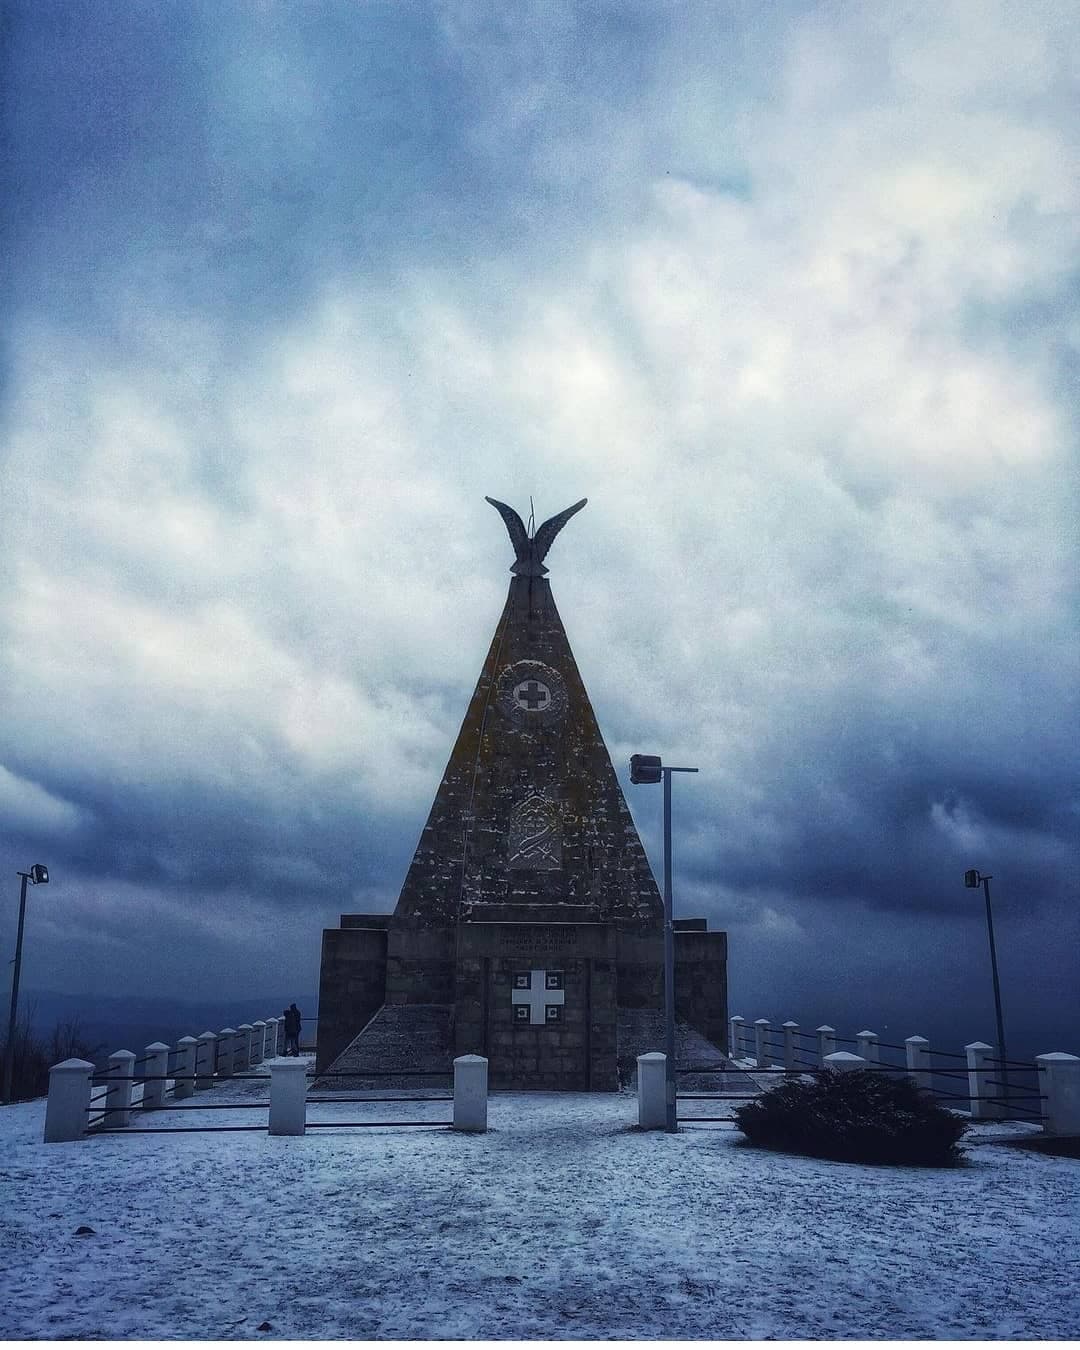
(529, 910)
(414, 1041)
(473, 849)
(352, 986)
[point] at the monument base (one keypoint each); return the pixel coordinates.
(557, 1006)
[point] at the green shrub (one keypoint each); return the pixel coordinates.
(856, 1116)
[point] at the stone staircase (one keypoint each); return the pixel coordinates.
(403, 1046)
(410, 1046)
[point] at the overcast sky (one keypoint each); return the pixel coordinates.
(788, 291)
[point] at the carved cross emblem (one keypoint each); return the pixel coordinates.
(533, 695)
(538, 996)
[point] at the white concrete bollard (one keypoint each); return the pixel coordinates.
(288, 1097)
(243, 1053)
(118, 1095)
(226, 1051)
(981, 1073)
(761, 1045)
(258, 1041)
(735, 1046)
(156, 1069)
(826, 1042)
(68, 1107)
(184, 1068)
(867, 1042)
(918, 1062)
(652, 1091)
(843, 1061)
(791, 1063)
(204, 1061)
(270, 1043)
(1059, 1083)
(470, 1092)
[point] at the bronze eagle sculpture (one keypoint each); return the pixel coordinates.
(530, 552)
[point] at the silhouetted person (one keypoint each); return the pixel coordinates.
(292, 1030)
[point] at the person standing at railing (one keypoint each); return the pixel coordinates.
(292, 1029)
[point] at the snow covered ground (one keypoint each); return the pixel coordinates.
(562, 1222)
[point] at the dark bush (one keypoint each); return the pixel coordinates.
(857, 1116)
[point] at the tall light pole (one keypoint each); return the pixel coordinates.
(38, 875)
(972, 879)
(648, 769)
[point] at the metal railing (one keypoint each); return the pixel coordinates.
(1018, 1079)
(99, 1111)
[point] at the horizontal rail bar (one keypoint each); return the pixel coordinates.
(380, 1073)
(377, 1124)
(705, 1120)
(192, 1077)
(346, 1101)
(179, 1129)
(199, 1106)
(714, 1096)
(776, 1068)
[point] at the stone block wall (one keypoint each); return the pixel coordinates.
(419, 964)
(700, 976)
(471, 971)
(352, 986)
(701, 983)
(576, 1053)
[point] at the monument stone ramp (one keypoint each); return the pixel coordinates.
(401, 1047)
(641, 1030)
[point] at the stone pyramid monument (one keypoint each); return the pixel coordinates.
(529, 926)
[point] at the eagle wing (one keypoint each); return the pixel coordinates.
(545, 535)
(514, 524)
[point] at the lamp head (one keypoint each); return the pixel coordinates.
(972, 878)
(645, 769)
(39, 874)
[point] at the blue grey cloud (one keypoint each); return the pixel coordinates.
(789, 295)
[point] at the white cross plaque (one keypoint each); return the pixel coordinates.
(538, 997)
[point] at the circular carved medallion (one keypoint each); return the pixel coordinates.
(530, 692)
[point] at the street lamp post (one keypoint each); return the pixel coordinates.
(649, 769)
(37, 875)
(972, 879)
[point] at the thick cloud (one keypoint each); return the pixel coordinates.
(790, 296)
